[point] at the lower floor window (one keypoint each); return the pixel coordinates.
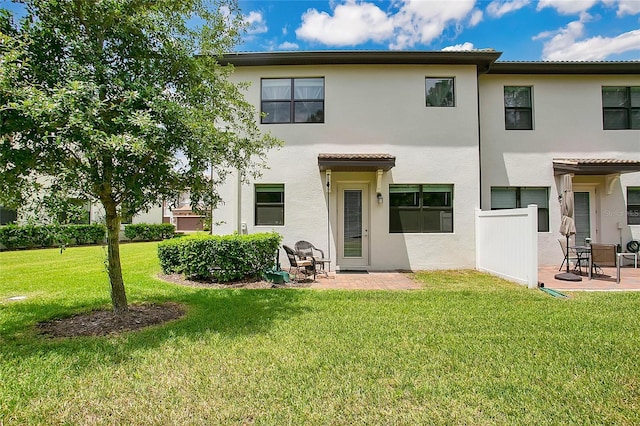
(633, 206)
(420, 208)
(269, 203)
(7, 216)
(75, 211)
(514, 197)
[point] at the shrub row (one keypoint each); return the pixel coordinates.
(220, 258)
(149, 232)
(34, 236)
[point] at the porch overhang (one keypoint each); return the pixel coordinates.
(356, 162)
(594, 166)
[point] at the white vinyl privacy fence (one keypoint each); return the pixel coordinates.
(507, 244)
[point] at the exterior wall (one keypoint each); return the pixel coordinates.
(567, 113)
(371, 109)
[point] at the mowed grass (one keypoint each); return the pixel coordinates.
(467, 349)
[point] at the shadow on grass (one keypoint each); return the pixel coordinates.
(229, 313)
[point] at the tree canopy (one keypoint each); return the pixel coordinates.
(123, 103)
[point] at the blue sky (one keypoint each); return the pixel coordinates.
(524, 30)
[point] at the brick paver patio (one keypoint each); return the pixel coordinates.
(630, 281)
(366, 281)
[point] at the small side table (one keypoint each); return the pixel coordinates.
(321, 264)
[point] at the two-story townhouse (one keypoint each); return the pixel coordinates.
(541, 120)
(381, 159)
(388, 154)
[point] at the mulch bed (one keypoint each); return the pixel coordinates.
(105, 322)
(250, 283)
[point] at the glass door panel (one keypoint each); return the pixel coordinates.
(352, 223)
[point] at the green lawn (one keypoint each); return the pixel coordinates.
(468, 349)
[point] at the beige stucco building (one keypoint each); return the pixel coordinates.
(388, 154)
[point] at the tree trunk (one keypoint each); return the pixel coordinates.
(118, 294)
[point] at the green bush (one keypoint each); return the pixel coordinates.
(219, 258)
(34, 236)
(149, 232)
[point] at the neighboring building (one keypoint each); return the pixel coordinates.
(182, 216)
(388, 154)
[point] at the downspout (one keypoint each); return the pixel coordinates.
(239, 204)
(328, 179)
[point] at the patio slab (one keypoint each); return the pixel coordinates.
(366, 281)
(629, 280)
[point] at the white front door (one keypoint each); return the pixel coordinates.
(353, 225)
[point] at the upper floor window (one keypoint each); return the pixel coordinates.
(620, 107)
(518, 108)
(440, 92)
(292, 100)
(514, 197)
(420, 208)
(633, 206)
(269, 200)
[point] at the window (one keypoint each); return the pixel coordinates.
(7, 216)
(633, 206)
(518, 110)
(293, 100)
(269, 204)
(75, 211)
(440, 92)
(620, 108)
(516, 197)
(420, 208)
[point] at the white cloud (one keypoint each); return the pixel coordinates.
(421, 21)
(288, 46)
(416, 21)
(352, 23)
(256, 23)
(565, 44)
(630, 7)
(476, 17)
(459, 47)
(567, 7)
(498, 8)
(573, 7)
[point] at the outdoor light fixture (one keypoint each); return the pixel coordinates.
(379, 197)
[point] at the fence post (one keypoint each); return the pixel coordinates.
(532, 262)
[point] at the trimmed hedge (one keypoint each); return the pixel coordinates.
(149, 232)
(219, 258)
(35, 236)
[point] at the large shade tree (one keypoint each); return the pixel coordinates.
(123, 103)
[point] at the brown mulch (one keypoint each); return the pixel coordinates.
(181, 280)
(105, 322)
